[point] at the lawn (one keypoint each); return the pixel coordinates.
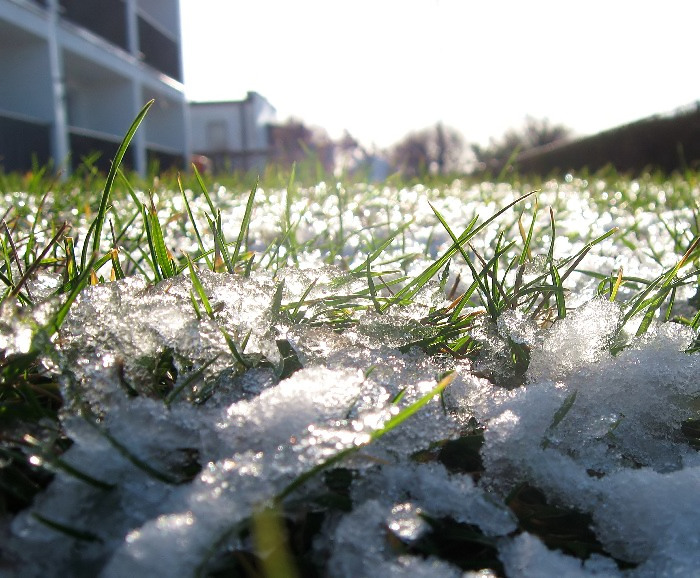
(306, 377)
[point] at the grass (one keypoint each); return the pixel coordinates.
(512, 264)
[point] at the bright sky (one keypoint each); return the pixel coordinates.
(382, 68)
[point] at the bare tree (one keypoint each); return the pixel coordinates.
(534, 133)
(294, 142)
(434, 150)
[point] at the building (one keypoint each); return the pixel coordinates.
(234, 135)
(75, 73)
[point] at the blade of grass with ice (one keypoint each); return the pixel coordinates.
(82, 535)
(390, 425)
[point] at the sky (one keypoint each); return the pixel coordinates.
(383, 68)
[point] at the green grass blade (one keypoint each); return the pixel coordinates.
(203, 188)
(288, 227)
(276, 306)
(558, 292)
(159, 249)
(195, 306)
(472, 229)
(510, 162)
(526, 253)
(200, 243)
(151, 245)
(476, 276)
(116, 266)
(221, 250)
(245, 224)
(372, 289)
(130, 190)
(104, 201)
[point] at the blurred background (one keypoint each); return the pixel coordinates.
(372, 86)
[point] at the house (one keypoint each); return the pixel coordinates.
(75, 73)
(233, 134)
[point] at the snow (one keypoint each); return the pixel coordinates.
(593, 430)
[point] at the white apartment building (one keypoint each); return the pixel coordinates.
(75, 73)
(233, 134)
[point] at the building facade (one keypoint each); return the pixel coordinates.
(75, 73)
(233, 134)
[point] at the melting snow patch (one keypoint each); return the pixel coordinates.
(179, 443)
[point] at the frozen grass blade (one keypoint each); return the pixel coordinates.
(190, 380)
(56, 463)
(82, 535)
(233, 348)
(199, 289)
(126, 453)
(295, 314)
(559, 415)
(201, 293)
(391, 424)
